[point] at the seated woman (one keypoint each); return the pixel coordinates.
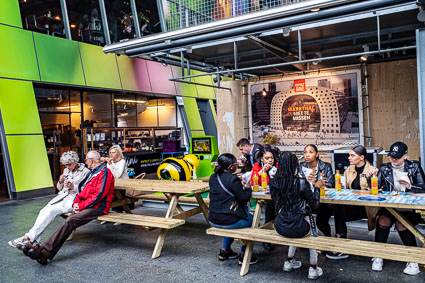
(229, 203)
(266, 160)
(413, 182)
(313, 162)
(67, 186)
(293, 198)
(357, 177)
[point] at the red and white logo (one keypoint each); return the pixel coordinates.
(299, 85)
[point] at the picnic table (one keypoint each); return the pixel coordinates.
(322, 243)
(175, 214)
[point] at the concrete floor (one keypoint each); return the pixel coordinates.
(108, 253)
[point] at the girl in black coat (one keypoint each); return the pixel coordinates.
(229, 202)
(293, 197)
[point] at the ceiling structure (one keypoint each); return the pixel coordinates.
(288, 39)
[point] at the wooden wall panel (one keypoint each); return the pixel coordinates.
(393, 100)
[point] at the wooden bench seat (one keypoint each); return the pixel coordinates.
(142, 220)
(322, 243)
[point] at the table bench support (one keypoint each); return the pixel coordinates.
(407, 224)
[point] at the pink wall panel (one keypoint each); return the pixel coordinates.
(141, 72)
(159, 75)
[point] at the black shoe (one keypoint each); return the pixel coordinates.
(267, 247)
(254, 259)
(38, 254)
(334, 255)
(226, 254)
(26, 248)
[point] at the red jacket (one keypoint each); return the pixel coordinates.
(256, 169)
(96, 190)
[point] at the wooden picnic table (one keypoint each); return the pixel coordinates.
(175, 214)
(344, 197)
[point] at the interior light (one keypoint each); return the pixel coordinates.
(364, 57)
(57, 18)
(264, 92)
(130, 101)
(67, 107)
(73, 26)
(159, 106)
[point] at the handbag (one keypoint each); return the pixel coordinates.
(234, 206)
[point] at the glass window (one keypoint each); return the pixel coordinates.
(147, 11)
(85, 21)
(97, 109)
(125, 110)
(149, 116)
(43, 16)
(120, 20)
(167, 112)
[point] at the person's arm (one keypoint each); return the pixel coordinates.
(98, 191)
(61, 181)
(312, 197)
(118, 168)
(329, 175)
(242, 195)
(418, 185)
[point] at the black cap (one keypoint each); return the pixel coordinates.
(397, 150)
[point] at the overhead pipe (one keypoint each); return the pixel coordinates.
(258, 27)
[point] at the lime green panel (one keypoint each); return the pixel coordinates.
(29, 161)
(192, 112)
(101, 70)
(198, 133)
(19, 108)
(17, 54)
(213, 111)
(9, 13)
(204, 91)
(184, 89)
(59, 60)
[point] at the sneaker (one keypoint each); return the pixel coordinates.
(377, 264)
(411, 269)
(18, 242)
(292, 264)
(226, 254)
(254, 259)
(117, 223)
(334, 255)
(314, 273)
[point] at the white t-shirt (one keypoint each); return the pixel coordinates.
(119, 169)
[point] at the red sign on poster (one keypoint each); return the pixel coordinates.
(299, 85)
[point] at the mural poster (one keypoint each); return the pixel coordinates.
(291, 112)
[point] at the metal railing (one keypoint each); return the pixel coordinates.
(186, 13)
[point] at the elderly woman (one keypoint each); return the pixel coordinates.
(73, 174)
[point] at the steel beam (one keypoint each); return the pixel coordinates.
(104, 22)
(135, 18)
(420, 61)
(65, 19)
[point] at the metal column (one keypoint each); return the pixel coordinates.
(420, 59)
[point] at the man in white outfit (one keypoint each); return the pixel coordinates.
(73, 174)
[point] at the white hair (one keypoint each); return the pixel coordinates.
(94, 155)
(69, 157)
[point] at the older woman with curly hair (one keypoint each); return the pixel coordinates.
(67, 185)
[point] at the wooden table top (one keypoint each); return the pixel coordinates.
(162, 186)
(347, 197)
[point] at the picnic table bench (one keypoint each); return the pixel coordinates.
(395, 252)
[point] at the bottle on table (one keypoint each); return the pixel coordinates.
(374, 185)
(255, 182)
(337, 181)
(264, 180)
(322, 187)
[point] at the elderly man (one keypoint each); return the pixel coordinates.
(249, 151)
(401, 174)
(94, 198)
(67, 186)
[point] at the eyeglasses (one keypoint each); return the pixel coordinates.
(69, 165)
(87, 159)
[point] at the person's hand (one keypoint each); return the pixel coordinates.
(321, 183)
(104, 159)
(69, 185)
(239, 175)
(246, 185)
(62, 178)
(76, 208)
(404, 183)
(310, 178)
(372, 172)
(267, 167)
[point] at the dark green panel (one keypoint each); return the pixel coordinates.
(17, 54)
(30, 165)
(9, 13)
(100, 69)
(59, 60)
(19, 108)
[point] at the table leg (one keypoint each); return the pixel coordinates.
(119, 196)
(202, 206)
(250, 246)
(407, 224)
(161, 237)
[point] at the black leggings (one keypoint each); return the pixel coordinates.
(347, 213)
(324, 213)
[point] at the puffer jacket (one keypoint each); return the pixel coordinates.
(324, 168)
(414, 171)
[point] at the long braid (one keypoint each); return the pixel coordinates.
(283, 186)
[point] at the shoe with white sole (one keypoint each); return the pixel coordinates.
(18, 242)
(292, 264)
(412, 268)
(314, 273)
(377, 264)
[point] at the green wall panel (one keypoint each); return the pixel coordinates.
(198, 133)
(59, 60)
(19, 107)
(204, 91)
(184, 89)
(29, 161)
(17, 55)
(9, 13)
(192, 112)
(101, 70)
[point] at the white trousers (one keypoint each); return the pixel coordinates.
(47, 214)
(313, 252)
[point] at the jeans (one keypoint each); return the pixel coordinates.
(242, 223)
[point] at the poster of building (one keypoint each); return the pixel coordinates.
(320, 109)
